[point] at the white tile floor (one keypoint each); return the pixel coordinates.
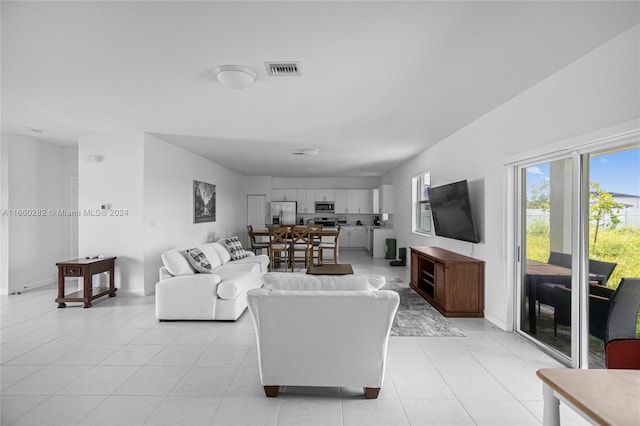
(114, 364)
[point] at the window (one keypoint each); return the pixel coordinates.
(422, 208)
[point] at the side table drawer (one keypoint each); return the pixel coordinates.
(72, 271)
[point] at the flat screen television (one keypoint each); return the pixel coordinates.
(451, 211)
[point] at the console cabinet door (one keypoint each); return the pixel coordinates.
(439, 281)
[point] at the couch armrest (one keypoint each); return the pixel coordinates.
(164, 273)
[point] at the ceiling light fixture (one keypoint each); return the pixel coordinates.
(307, 151)
(235, 76)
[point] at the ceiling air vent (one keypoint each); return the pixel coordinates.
(279, 69)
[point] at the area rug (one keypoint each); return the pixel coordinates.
(416, 317)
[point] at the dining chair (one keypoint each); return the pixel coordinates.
(300, 243)
(316, 239)
(329, 245)
(278, 246)
(256, 245)
(623, 354)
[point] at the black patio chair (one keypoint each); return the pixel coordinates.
(612, 313)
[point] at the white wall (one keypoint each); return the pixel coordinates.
(4, 220)
(116, 180)
(169, 173)
(325, 183)
(35, 176)
(597, 91)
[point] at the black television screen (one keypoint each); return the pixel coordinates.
(451, 212)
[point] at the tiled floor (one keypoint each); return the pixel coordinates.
(114, 364)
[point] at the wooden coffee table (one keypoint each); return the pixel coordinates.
(331, 269)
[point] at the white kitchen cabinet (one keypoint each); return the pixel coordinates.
(325, 194)
(376, 200)
(306, 200)
(360, 201)
(387, 199)
(353, 237)
(342, 202)
(284, 195)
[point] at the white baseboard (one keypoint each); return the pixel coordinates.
(35, 284)
(495, 321)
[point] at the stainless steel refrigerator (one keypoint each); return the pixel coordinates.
(283, 212)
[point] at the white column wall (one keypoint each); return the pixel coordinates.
(116, 180)
(599, 90)
(169, 173)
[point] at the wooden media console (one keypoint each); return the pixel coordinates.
(450, 282)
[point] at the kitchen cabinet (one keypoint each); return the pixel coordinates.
(306, 200)
(387, 199)
(360, 201)
(341, 201)
(376, 200)
(284, 195)
(353, 237)
(357, 201)
(369, 238)
(325, 194)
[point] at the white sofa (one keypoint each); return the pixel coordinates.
(322, 330)
(185, 294)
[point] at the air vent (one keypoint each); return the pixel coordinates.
(281, 69)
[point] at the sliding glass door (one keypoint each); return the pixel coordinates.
(578, 235)
(546, 253)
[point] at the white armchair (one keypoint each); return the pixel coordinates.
(322, 338)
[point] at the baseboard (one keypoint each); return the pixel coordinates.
(495, 321)
(32, 285)
(130, 293)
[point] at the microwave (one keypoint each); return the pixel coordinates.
(325, 207)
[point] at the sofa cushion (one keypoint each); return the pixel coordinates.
(298, 281)
(237, 279)
(176, 262)
(235, 248)
(211, 254)
(198, 260)
(221, 251)
(261, 259)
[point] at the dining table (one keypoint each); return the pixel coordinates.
(537, 273)
(324, 232)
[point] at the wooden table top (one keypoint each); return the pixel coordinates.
(85, 260)
(330, 269)
(607, 396)
(535, 267)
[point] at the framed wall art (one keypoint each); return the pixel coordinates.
(204, 202)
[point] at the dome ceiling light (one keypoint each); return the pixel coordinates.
(235, 76)
(307, 152)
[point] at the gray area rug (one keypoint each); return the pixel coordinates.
(416, 317)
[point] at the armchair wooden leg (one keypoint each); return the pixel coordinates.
(271, 391)
(371, 393)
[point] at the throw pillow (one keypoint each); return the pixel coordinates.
(198, 260)
(235, 248)
(176, 262)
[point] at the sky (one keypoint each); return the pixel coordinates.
(615, 172)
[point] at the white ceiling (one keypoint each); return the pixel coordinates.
(381, 81)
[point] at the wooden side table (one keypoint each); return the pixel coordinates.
(85, 268)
